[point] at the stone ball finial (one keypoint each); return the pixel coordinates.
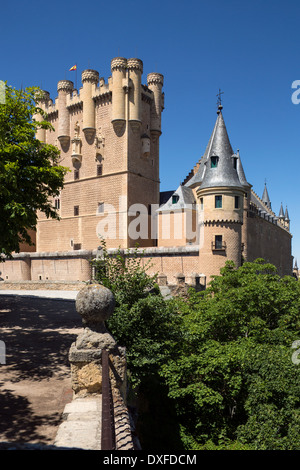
(95, 304)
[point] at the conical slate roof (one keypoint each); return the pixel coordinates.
(286, 215)
(225, 173)
(281, 213)
(265, 197)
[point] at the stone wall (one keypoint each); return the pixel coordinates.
(75, 266)
(271, 242)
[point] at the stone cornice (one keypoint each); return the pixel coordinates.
(135, 64)
(118, 63)
(90, 75)
(155, 78)
(65, 85)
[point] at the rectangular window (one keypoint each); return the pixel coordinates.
(175, 199)
(214, 162)
(99, 170)
(218, 202)
(236, 202)
(218, 242)
(235, 163)
(76, 210)
(201, 203)
(57, 204)
(76, 174)
(100, 207)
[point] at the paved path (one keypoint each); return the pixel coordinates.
(38, 328)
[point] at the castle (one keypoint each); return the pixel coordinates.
(108, 135)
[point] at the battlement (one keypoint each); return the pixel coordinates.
(124, 91)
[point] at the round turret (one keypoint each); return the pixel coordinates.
(64, 88)
(155, 83)
(118, 69)
(89, 79)
(135, 68)
(42, 98)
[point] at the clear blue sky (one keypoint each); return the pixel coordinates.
(249, 49)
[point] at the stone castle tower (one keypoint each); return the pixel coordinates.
(229, 220)
(223, 193)
(108, 135)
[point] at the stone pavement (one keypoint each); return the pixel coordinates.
(36, 406)
(47, 294)
(81, 426)
(35, 381)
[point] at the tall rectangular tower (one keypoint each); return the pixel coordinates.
(108, 136)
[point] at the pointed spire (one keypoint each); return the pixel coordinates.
(286, 215)
(219, 165)
(281, 213)
(296, 265)
(226, 169)
(265, 197)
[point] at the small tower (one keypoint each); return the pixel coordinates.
(281, 213)
(287, 219)
(221, 188)
(265, 198)
(118, 69)
(135, 70)
(41, 100)
(89, 79)
(155, 83)
(296, 270)
(64, 89)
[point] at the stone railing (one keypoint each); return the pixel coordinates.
(96, 304)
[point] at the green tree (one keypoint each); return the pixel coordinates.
(30, 173)
(142, 321)
(148, 326)
(232, 378)
(124, 272)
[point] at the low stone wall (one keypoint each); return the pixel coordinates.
(41, 285)
(75, 266)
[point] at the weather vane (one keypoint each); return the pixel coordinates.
(219, 102)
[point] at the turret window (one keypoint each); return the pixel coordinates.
(234, 161)
(236, 202)
(218, 202)
(214, 162)
(218, 243)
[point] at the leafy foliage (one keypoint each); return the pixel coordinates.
(30, 173)
(232, 379)
(124, 273)
(215, 370)
(142, 321)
